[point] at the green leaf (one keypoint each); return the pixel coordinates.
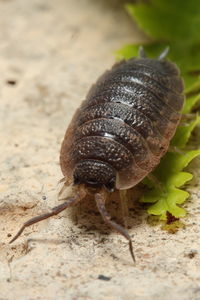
(168, 197)
(192, 83)
(174, 163)
(190, 103)
(127, 52)
(179, 179)
(183, 133)
(170, 20)
(169, 202)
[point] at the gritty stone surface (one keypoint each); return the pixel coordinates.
(50, 54)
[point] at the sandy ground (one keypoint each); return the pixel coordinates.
(50, 54)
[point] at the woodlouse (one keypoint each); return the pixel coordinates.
(120, 132)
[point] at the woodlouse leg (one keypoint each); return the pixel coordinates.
(54, 211)
(141, 52)
(155, 181)
(62, 189)
(164, 53)
(175, 149)
(124, 207)
(100, 200)
(188, 117)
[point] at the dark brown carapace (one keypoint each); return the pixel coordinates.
(120, 132)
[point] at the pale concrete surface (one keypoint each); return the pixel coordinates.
(55, 50)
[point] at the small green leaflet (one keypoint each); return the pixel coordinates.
(168, 197)
(173, 23)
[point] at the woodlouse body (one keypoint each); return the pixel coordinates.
(120, 132)
(124, 126)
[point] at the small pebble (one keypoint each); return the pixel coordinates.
(192, 253)
(103, 277)
(11, 82)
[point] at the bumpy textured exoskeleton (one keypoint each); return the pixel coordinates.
(120, 132)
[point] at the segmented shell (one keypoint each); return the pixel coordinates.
(127, 120)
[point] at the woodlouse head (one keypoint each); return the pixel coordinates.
(94, 173)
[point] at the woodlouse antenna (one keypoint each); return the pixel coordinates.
(141, 52)
(54, 211)
(164, 53)
(100, 199)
